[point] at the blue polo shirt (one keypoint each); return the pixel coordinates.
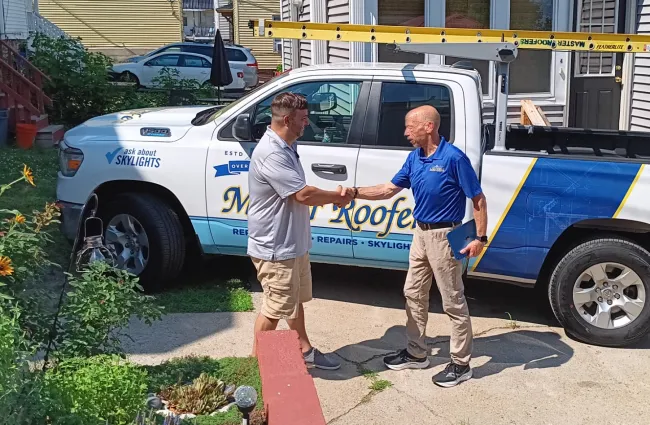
(440, 183)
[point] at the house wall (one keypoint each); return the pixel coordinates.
(338, 12)
(640, 99)
(261, 47)
(116, 27)
(224, 24)
(13, 20)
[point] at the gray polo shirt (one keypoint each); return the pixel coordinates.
(278, 226)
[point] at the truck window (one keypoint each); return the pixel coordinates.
(399, 98)
(331, 107)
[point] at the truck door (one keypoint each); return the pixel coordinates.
(383, 230)
(328, 152)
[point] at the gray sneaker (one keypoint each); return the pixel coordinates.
(314, 358)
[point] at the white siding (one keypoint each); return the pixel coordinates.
(305, 45)
(554, 113)
(287, 51)
(338, 12)
(224, 25)
(640, 110)
(13, 20)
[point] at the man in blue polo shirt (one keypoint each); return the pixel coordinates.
(441, 178)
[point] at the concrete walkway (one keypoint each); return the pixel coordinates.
(526, 370)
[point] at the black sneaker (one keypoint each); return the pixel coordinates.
(452, 375)
(403, 360)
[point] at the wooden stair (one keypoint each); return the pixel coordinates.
(21, 93)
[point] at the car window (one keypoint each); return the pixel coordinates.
(201, 50)
(164, 60)
(398, 98)
(192, 61)
(331, 107)
(236, 55)
(206, 63)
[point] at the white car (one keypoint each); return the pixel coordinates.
(189, 66)
(173, 183)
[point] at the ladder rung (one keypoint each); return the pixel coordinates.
(537, 40)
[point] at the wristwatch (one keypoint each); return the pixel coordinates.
(483, 239)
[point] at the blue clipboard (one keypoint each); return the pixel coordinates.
(460, 237)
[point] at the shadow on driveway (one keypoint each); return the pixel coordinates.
(520, 347)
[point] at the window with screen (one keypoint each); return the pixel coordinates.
(399, 98)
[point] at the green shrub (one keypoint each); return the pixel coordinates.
(96, 390)
(100, 303)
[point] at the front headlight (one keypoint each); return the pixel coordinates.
(70, 159)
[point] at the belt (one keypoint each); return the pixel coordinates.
(440, 225)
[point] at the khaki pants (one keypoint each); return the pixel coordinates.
(431, 256)
(286, 285)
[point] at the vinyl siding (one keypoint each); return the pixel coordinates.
(554, 113)
(261, 47)
(640, 110)
(117, 23)
(338, 12)
(287, 50)
(305, 45)
(13, 20)
(224, 25)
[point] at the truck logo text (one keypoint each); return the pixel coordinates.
(133, 157)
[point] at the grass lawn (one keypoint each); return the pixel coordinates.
(232, 370)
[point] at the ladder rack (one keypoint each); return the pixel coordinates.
(498, 46)
(537, 40)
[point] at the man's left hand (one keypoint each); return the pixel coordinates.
(473, 249)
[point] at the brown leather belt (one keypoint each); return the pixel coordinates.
(440, 225)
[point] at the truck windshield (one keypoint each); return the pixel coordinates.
(210, 114)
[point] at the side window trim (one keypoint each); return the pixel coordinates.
(359, 116)
(373, 115)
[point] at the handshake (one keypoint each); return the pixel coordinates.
(344, 195)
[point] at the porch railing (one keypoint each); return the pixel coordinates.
(200, 32)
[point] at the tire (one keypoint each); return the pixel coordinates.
(164, 234)
(581, 319)
(129, 76)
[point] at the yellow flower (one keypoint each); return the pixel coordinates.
(28, 175)
(5, 266)
(20, 219)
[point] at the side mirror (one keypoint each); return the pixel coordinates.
(323, 102)
(242, 128)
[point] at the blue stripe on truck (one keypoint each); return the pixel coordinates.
(556, 194)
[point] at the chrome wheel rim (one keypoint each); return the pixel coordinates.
(609, 295)
(128, 240)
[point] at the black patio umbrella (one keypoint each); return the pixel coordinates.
(220, 75)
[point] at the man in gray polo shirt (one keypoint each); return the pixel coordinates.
(279, 230)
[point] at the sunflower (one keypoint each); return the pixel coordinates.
(28, 175)
(5, 266)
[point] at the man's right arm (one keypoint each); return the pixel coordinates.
(313, 196)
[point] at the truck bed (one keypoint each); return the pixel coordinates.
(573, 141)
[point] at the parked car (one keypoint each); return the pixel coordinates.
(189, 65)
(238, 56)
(567, 208)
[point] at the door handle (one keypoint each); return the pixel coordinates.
(329, 168)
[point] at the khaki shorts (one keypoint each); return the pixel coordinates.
(286, 285)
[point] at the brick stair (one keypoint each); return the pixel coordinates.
(22, 95)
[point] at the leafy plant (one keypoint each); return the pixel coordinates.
(99, 389)
(205, 395)
(101, 302)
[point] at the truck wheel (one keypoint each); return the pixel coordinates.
(599, 292)
(147, 237)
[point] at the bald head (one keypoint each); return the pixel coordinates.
(422, 125)
(425, 114)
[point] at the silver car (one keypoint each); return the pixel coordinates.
(238, 57)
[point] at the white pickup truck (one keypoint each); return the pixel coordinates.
(565, 212)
